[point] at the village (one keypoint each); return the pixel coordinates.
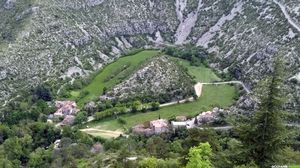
(159, 126)
(67, 110)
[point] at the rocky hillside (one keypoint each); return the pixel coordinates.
(46, 39)
(161, 79)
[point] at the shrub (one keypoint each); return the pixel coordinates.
(121, 121)
(42, 92)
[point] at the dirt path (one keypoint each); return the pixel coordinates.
(229, 82)
(103, 133)
(177, 102)
(198, 89)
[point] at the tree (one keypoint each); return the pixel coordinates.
(196, 136)
(41, 92)
(149, 163)
(154, 106)
(104, 91)
(5, 133)
(156, 146)
(77, 84)
(18, 148)
(80, 118)
(6, 163)
(136, 106)
(250, 165)
(199, 157)
(43, 134)
(176, 146)
(121, 121)
(40, 158)
(265, 135)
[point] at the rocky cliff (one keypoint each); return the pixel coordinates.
(160, 79)
(47, 39)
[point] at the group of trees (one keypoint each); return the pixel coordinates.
(30, 106)
(31, 144)
(265, 135)
(195, 55)
(109, 109)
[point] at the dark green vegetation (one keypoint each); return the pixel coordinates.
(264, 136)
(195, 55)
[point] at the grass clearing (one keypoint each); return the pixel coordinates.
(201, 73)
(213, 96)
(113, 74)
(294, 166)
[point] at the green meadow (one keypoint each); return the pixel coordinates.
(201, 73)
(113, 74)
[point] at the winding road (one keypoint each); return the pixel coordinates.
(230, 82)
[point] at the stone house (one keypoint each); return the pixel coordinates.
(68, 120)
(207, 117)
(151, 128)
(159, 126)
(65, 108)
(97, 148)
(141, 129)
(181, 118)
(183, 124)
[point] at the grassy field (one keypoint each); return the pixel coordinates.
(201, 73)
(112, 74)
(294, 166)
(213, 96)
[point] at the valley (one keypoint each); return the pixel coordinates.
(222, 95)
(149, 83)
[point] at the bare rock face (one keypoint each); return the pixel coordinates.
(92, 3)
(40, 39)
(9, 4)
(3, 74)
(161, 76)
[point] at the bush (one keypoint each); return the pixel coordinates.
(122, 121)
(77, 84)
(80, 118)
(42, 92)
(154, 106)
